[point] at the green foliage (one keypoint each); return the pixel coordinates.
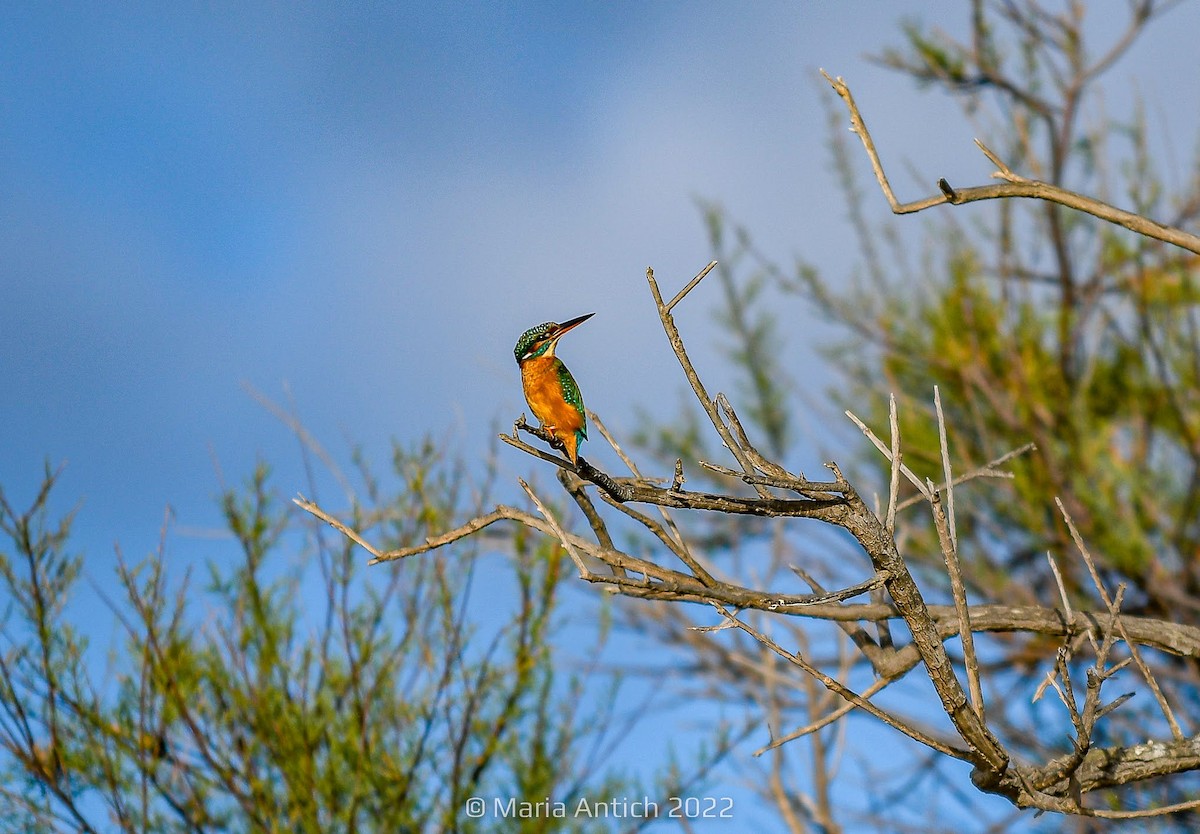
(1106, 436)
(1039, 324)
(293, 693)
(1101, 376)
(1036, 324)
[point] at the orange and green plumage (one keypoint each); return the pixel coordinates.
(549, 387)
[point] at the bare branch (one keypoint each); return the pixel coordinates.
(707, 403)
(676, 542)
(574, 487)
(885, 660)
(859, 128)
(661, 533)
(948, 540)
(792, 482)
(1014, 187)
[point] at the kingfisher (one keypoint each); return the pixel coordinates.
(549, 387)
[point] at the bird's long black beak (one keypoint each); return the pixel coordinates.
(573, 323)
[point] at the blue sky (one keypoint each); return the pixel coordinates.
(367, 204)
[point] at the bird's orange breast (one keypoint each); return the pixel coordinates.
(543, 392)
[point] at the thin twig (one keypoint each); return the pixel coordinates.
(1160, 811)
(1088, 561)
(825, 720)
(1068, 616)
(690, 285)
(558, 531)
(884, 660)
(1003, 171)
(887, 453)
(850, 592)
(894, 480)
(957, 586)
(959, 592)
(308, 506)
(1151, 681)
(840, 689)
(859, 128)
(800, 484)
(574, 487)
(661, 533)
(501, 513)
(946, 473)
(988, 470)
(756, 458)
(1062, 588)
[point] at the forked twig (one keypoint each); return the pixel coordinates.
(706, 402)
(988, 470)
(822, 596)
(840, 689)
(1151, 682)
(887, 453)
(558, 531)
(676, 542)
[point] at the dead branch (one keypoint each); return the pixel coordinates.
(1014, 186)
(845, 692)
(1172, 638)
(1059, 784)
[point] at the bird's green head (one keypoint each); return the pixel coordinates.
(540, 340)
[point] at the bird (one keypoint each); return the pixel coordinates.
(550, 389)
